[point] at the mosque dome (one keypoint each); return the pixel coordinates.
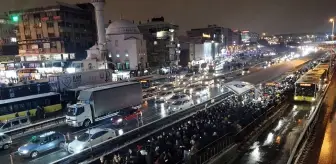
(122, 27)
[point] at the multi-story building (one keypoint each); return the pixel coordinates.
(209, 42)
(8, 42)
(249, 37)
(57, 32)
(160, 36)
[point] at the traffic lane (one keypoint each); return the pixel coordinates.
(272, 72)
(276, 142)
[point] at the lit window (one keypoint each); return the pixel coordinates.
(13, 39)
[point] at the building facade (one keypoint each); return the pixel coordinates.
(57, 32)
(8, 41)
(249, 37)
(161, 42)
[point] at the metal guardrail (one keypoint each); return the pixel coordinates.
(299, 144)
(35, 127)
(139, 133)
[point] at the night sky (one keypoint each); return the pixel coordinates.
(270, 16)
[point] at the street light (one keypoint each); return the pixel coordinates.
(332, 38)
(333, 26)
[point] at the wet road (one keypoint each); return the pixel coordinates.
(150, 113)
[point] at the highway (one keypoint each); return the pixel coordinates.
(150, 113)
(274, 145)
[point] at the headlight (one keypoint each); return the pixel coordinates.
(24, 151)
(313, 99)
(79, 149)
(119, 120)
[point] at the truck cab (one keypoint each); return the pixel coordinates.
(79, 114)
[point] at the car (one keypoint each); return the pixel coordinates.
(14, 123)
(166, 87)
(42, 143)
(245, 71)
(5, 141)
(91, 137)
(126, 115)
(148, 96)
(164, 96)
(207, 82)
(178, 97)
(180, 105)
(201, 91)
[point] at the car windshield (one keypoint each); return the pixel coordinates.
(35, 139)
(84, 137)
(71, 111)
(163, 93)
(175, 97)
(177, 103)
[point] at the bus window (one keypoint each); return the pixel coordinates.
(16, 108)
(34, 104)
(21, 107)
(10, 108)
(3, 110)
(47, 102)
(28, 105)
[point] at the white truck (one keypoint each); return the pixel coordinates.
(103, 102)
(85, 65)
(61, 82)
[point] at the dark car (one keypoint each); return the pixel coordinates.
(126, 115)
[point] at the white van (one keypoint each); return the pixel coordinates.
(13, 123)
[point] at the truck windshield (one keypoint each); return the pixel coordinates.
(75, 111)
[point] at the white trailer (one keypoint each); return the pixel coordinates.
(103, 102)
(61, 82)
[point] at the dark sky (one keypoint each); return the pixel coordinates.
(270, 16)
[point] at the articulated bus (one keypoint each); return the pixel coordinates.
(309, 86)
(51, 102)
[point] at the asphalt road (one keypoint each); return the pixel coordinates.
(150, 113)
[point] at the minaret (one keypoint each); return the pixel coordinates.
(99, 11)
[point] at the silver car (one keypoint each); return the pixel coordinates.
(5, 141)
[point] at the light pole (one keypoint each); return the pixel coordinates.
(332, 39)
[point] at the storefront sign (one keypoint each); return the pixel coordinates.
(38, 41)
(206, 35)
